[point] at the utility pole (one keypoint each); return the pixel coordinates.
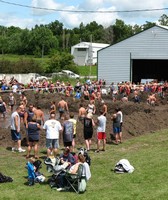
(90, 56)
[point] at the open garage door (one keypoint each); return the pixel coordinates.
(149, 69)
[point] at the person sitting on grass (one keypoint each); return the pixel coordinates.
(62, 183)
(31, 171)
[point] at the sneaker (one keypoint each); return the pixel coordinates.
(20, 150)
(14, 149)
(60, 189)
(97, 151)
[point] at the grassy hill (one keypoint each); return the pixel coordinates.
(83, 70)
(147, 153)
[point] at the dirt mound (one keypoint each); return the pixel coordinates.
(138, 118)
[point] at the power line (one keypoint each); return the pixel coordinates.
(85, 11)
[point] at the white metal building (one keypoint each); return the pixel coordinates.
(85, 53)
(142, 56)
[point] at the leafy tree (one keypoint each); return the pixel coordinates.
(163, 20)
(14, 43)
(136, 29)
(42, 40)
(60, 61)
(121, 30)
(148, 25)
(108, 35)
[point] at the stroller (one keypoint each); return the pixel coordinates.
(54, 166)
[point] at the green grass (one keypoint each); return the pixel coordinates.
(13, 57)
(87, 70)
(147, 153)
(83, 70)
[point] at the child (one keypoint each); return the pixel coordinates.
(31, 171)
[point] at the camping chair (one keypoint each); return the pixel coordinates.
(54, 166)
(76, 182)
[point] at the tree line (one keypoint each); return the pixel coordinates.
(55, 41)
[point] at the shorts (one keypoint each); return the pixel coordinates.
(74, 136)
(121, 126)
(52, 143)
(88, 135)
(15, 135)
(81, 119)
(101, 135)
(33, 138)
(61, 110)
(116, 130)
(67, 144)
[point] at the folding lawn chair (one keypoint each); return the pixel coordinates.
(76, 182)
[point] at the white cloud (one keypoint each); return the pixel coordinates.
(73, 20)
(48, 4)
(11, 20)
(70, 20)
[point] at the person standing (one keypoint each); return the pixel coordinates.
(81, 113)
(53, 129)
(12, 101)
(62, 107)
(52, 108)
(28, 115)
(121, 124)
(101, 131)
(23, 99)
(88, 125)
(91, 108)
(104, 107)
(33, 137)
(116, 118)
(15, 131)
(68, 131)
(74, 121)
(3, 108)
(39, 114)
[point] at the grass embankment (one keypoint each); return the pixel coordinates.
(83, 70)
(147, 153)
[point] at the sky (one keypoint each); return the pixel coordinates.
(28, 17)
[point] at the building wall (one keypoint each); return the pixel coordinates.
(114, 62)
(86, 57)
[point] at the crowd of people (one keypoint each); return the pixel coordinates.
(66, 123)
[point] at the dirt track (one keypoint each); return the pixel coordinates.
(138, 118)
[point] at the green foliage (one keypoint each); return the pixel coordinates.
(163, 20)
(20, 66)
(45, 39)
(60, 61)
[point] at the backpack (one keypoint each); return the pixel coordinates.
(82, 186)
(4, 179)
(84, 152)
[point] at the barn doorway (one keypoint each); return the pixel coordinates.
(149, 69)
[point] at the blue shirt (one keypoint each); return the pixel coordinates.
(31, 172)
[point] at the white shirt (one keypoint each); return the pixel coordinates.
(87, 171)
(14, 88)
(121, 119)
(13, 125)
(52, 128)
(101, 124)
